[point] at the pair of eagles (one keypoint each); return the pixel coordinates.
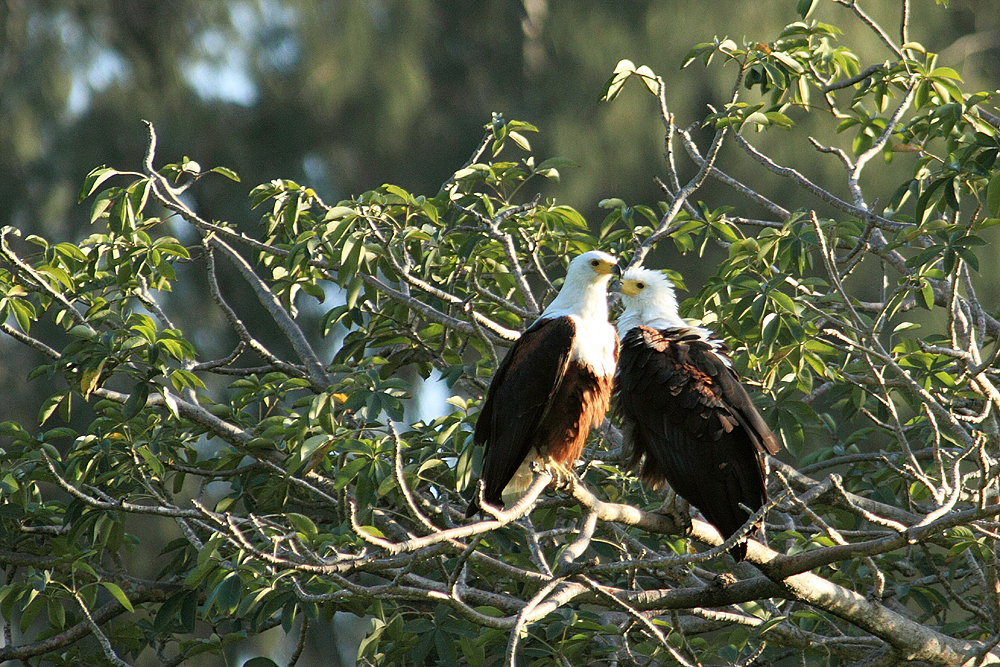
(686, 418)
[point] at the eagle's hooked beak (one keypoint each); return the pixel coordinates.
(616, 283)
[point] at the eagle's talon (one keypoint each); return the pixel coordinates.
(723, 580)
(562, 477)
(679, 510)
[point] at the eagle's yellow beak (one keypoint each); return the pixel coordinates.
(604, 267)
(629, 287)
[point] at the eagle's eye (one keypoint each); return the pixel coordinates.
(640, 285)
(595, 263)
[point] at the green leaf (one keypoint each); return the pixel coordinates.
(556, 163)
(767, 625)
(167, 611)
(36, 604)
(349, 472)
(229, 593)
(9, 484)
(758, 118)
(24, 313)
(474, 653)
(445, 645)
(960, 547)
(993, 196)
(792, 433)
(303, 524)
(371, 530)
(399, 192)
(101, 204)
(189, 612)
(338, 212)
(94, 180)
(779, 119)
(227, 172)
(787, 61)
(623, 70)
(57, 614)
(927, 294)
(945, 72)
(463, 469)
(648, 78)
(922, 95)
(136, 400)
(91, 378)
(769, 331)
(118, 594)
(520, 140)
(354, 291)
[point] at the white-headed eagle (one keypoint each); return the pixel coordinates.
(553, 386)
(686, 418)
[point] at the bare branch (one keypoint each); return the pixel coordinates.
(102, 639)
(27, 340)
(853, 6)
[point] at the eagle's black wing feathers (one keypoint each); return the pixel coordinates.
(689, 422)
(517, 400)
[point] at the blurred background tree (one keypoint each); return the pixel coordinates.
(345, 96)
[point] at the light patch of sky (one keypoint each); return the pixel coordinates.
(342, 635)
(379, 14)
(282, 53)
(107, 67)
(220, 72)
(179, 227)
(223, 73)
(320, 178)
(432, 399)
(273, 26)
(92, 67)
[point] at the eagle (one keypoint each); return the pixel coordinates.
(686, 417)
(552, 387)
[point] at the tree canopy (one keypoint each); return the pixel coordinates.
(283, 482)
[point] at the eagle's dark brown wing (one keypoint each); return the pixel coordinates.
(517, 401)
(690, 422)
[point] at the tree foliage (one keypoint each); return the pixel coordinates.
(290, 485)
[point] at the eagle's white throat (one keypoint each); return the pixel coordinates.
(584, 299)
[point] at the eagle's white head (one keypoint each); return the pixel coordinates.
(585, 291)
(649, 300)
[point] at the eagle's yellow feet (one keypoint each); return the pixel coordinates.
(677, 509)
(562, 476)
